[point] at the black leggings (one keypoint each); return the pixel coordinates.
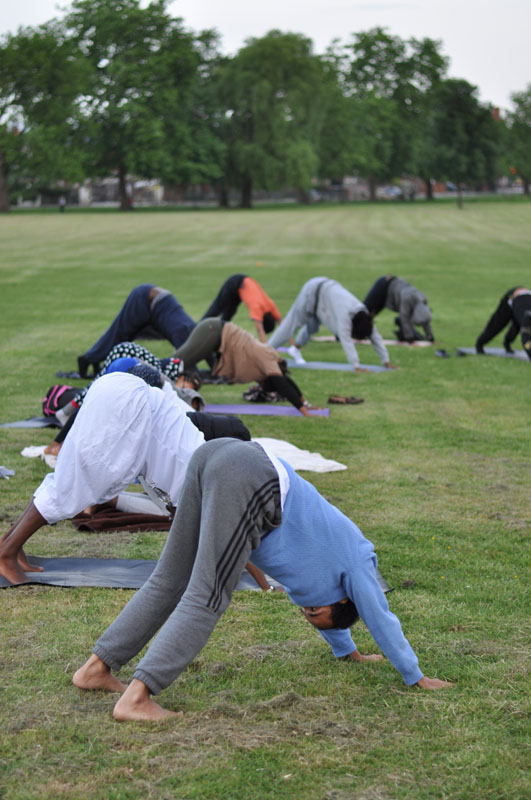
(517, 315)
(226, 302)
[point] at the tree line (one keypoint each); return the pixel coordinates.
(113, 88)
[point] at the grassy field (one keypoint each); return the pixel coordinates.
(438, 477)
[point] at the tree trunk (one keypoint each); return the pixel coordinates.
(126, 201)
(459, 195)
(247, 193)
(4, 191)
(525, 181)
(372, 188)
(429, 189)
(303, 197)
(223, 195)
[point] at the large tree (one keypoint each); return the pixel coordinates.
(198, 154)
(40, 78)
(133, 114)
(519, 136)
(461, 136)
(273, 92)
(387, 79)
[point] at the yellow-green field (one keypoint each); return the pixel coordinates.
(438, 477)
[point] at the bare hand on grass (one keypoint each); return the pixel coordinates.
(357, 656)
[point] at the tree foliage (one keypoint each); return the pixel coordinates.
(519, 136)
(132, 113)
(273, 94)
(40, 77)
(115, 88)
(388, 79)
(461, 135)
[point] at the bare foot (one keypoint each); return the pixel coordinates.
(434, 683)
(25, 565)
(90, 510)
(94, 674)
(10, 570)
(136, 705)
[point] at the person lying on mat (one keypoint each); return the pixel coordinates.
(148, 311)
(514, 308)
(261, 511)
(124, 429)
(409, 303)
(323, 301)
(240, 358)
(243, 289)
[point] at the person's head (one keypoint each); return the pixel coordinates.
(148, 374)
(268, 322)
(421, 314)
(342, 614)
(189, 379)
(361, 325)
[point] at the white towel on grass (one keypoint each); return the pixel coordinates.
(37, 451)
(300, 459)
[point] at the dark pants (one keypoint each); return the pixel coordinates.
(399, 333)
(377, 295)
(203, 343)
(227, 300)
(165, 317)
(506, 314)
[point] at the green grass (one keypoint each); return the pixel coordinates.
(438, 477)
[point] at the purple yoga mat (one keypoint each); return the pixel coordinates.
(258, 410)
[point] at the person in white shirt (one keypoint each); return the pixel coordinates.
(124, 429)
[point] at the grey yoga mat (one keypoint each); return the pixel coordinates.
(33, 422)
(342, 367)
(493, 351)
(116, 573)
(113, 573)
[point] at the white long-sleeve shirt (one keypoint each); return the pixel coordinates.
(125, 428)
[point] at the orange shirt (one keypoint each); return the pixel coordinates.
(256, 300)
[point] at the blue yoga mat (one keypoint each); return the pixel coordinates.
(520, 355)
(262, 410)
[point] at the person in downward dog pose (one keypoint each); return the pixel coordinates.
(241, 503)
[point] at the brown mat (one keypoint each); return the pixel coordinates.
(109, 519)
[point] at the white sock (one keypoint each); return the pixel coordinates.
(296, 354)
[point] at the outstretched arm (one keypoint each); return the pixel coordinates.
(259, 576)
(260, 330)
(13, 561)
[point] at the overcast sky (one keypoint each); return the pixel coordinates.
(488, 41)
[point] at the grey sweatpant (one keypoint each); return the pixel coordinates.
(302, 313)
(230, 498)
